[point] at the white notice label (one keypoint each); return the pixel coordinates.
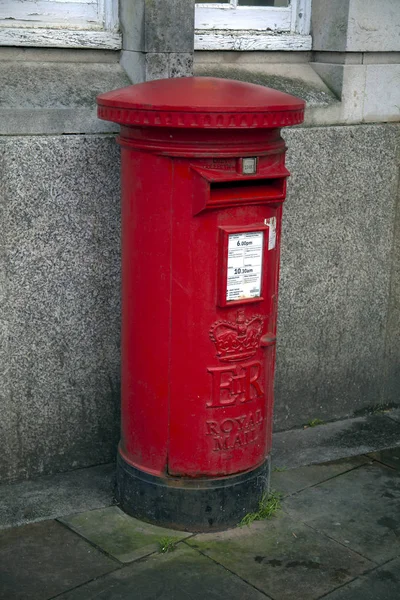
(244, 265)
(272, 232)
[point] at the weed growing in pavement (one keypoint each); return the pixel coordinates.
(166, 544)
(315, 423)
(267, 508)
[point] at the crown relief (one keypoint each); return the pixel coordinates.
(236, 340)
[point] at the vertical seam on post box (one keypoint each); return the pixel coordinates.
(170, 313)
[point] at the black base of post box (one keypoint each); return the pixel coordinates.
(190, 504)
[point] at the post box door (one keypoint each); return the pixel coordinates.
(223, 329)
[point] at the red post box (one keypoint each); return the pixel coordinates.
(203, 182)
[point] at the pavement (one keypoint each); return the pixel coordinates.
(337, 537)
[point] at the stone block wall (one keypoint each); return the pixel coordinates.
(158, 38)
(356, 47)
(59, 303)
(338, 353)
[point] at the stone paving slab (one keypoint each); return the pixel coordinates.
(183, 574)
(360, 509)
(56, 495)
(394, 414)
(42, 560)
(340, 521)
(351, 437)
(121, 536)
(388, 457)
(380, 584)
(283, 558)
(293, 480)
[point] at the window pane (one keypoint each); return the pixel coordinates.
(264, 2)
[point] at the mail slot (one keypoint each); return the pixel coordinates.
(203, 184)
(246, 192)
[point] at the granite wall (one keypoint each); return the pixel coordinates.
(339, 281)
(338, 351)
(60, 303)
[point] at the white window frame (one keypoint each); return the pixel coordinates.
(234, 27)
(60, 24)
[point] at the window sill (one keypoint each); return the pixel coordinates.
(60, 38)
(250, 40)
(49, 98)
(297, 78)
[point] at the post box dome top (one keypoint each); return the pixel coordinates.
(200, 103)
